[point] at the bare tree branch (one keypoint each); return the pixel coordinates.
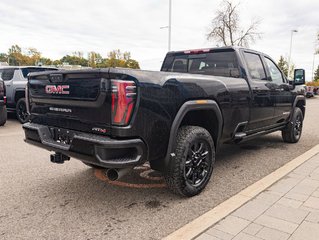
(226, 30)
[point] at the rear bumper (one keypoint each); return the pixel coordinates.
(90, 148)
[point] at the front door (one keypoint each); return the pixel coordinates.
(283, 94)
(262, 98)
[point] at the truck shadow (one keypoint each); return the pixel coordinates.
(272, 141)
(143, 185)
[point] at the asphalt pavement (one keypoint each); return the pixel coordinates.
(41, 200)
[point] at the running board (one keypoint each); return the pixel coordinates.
(241, 136)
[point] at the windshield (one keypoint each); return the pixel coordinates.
(221, 63)
(26, 71)
(6, 74)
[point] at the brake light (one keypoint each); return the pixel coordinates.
(123, 101)
(197, 51)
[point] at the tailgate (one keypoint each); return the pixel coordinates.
(79, 100)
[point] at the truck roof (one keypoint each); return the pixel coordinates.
(235, 48)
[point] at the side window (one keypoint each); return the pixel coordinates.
(255, 66)
(275, 73)
(6, 74)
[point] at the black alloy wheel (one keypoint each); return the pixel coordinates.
(292, 132)
(197, 163)
(190, 170)
(21, 111)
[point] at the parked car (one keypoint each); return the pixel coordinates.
(309, 91)
(15, 78)
(176, 119)
(3, 109)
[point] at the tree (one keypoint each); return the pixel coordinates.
(45, 61)
(225, 27)
(15, 56)
(316, 76)
(131, 63)
(33, 57)
(94, 59)
(74, 60)
(3, 57)
(118, 59)
(283, 65)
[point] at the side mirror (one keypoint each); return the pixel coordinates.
(299, 77)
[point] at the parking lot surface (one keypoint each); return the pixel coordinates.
(41, 200)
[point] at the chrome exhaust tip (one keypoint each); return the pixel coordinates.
(115, 174)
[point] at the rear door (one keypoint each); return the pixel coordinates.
(262, 94)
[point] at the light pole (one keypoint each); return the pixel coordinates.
(292, 32)
(169, 27)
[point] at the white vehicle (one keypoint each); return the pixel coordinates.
(15, 79)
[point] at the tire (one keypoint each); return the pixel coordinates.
(190, 162)
(92, 165)
(3, 115)
(21, 111)
(292, 132)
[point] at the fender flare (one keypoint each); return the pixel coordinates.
(297, 99)
(185, 108)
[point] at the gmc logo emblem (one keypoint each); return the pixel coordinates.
(59, 89)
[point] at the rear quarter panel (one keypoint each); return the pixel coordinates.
(161, 94)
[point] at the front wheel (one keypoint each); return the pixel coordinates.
(189, 172)
(292, 132)
(21, 111)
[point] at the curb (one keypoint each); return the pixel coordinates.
(208, 219)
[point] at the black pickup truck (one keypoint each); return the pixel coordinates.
(176, 119)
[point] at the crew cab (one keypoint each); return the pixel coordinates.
(175, 119)
(15, 79)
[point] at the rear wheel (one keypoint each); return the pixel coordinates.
(21, 111)
(292, 132)
(3, 115)
(192, 167)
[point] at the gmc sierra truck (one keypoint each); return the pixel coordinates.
(175, 119)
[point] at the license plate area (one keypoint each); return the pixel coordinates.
(62, 136)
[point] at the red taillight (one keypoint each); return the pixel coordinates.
(196, 51)
(123, 101)
(4, 99)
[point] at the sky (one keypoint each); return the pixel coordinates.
(60, 27)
